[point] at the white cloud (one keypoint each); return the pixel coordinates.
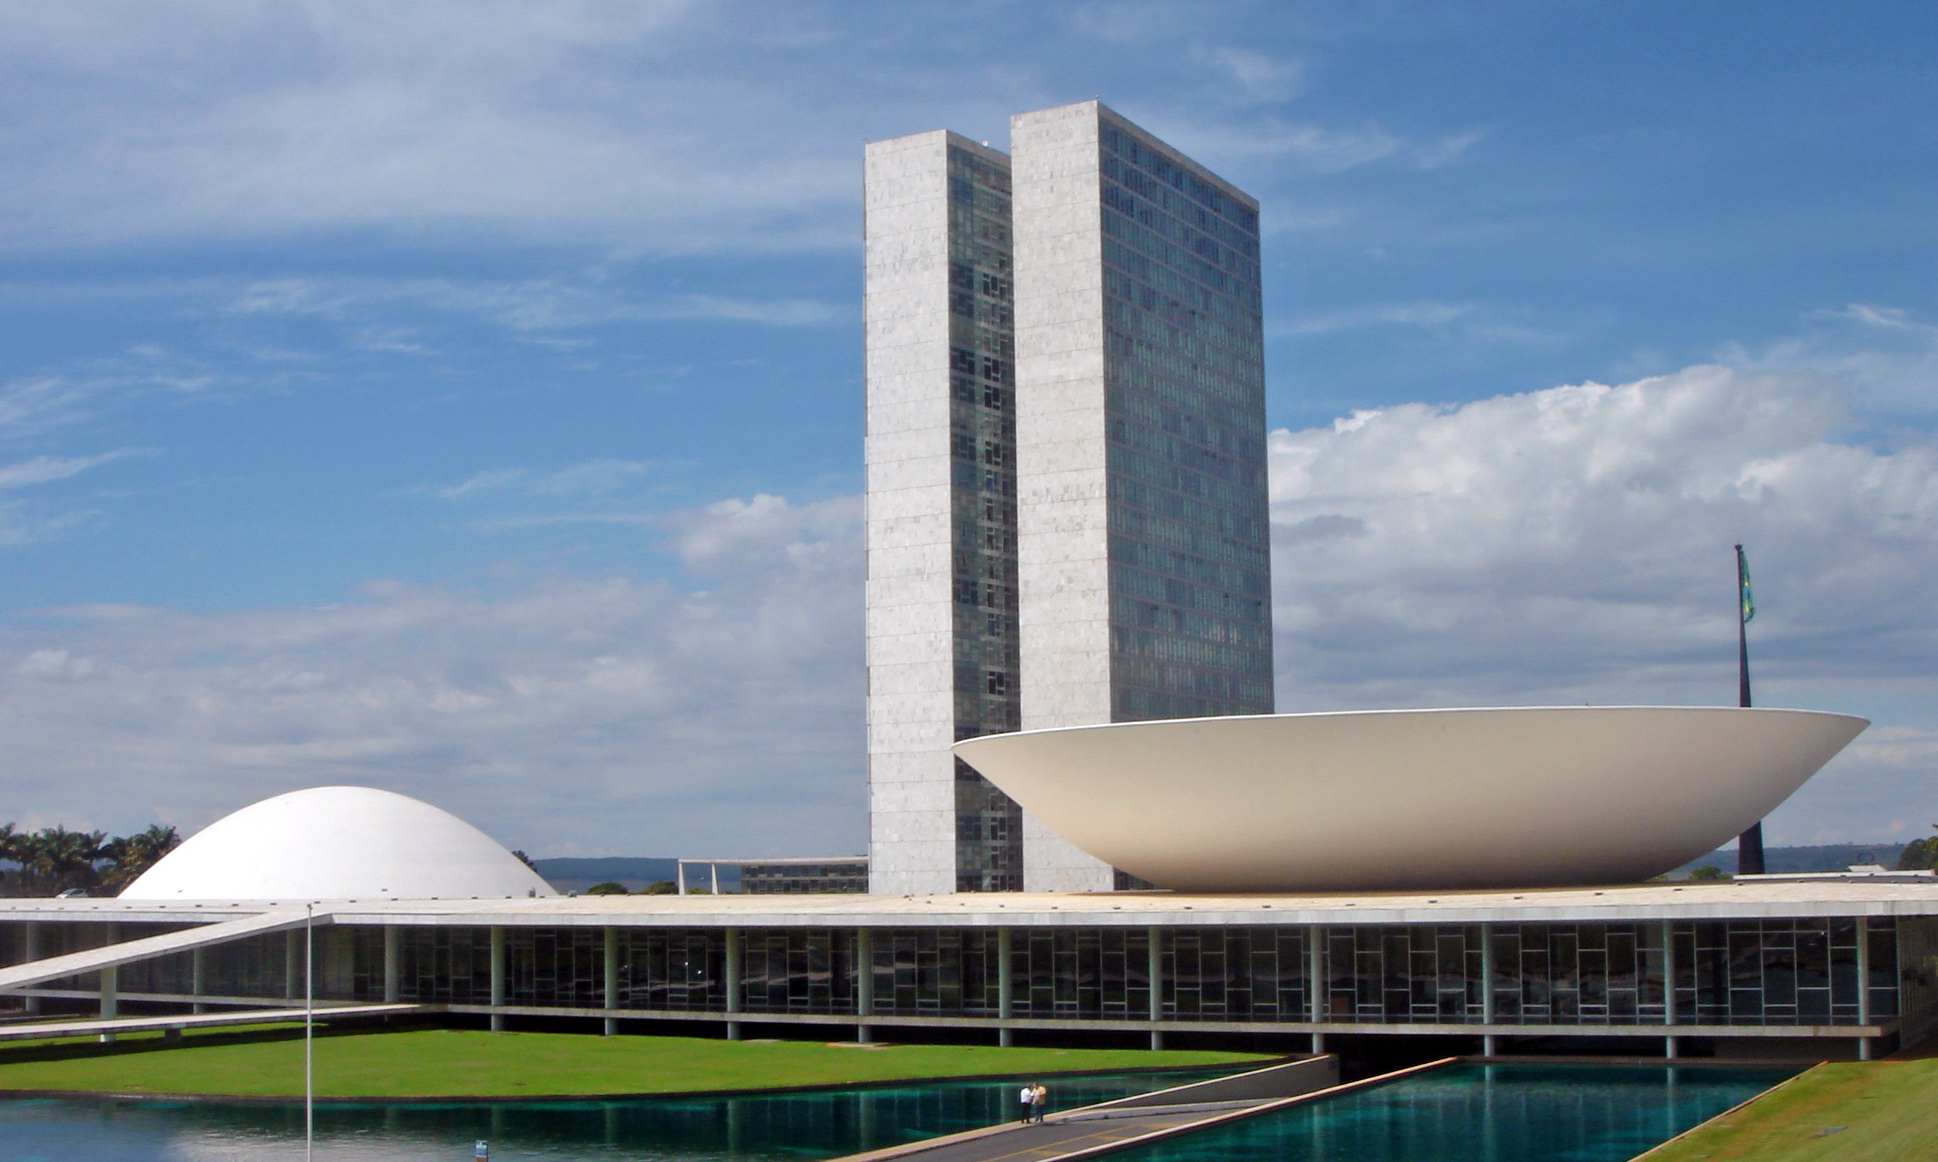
(588, 478)
(559, 302)
(42, 469)
(658, 128)
(1885, 356)
(562, 715)
(1573, 545)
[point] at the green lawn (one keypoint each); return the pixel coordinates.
(453, 1062)
(1885, 1109)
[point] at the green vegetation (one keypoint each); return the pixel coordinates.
(1919, 854)
(54, 859)
(451, 1062)
(1877, 1111)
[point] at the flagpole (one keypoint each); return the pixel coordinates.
(1749, 845)
(309, 1031)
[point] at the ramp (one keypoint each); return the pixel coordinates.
(1134, 1121)
(1116, 1125)
(47, 1030)
(34, 972)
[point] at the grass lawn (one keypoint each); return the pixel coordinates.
(464, 1062)
(1885, 1109)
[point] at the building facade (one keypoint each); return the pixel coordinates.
(1144, 551)
(1066, 481)
(941, 524)
(1726, 970)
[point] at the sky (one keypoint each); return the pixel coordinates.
(465, 399)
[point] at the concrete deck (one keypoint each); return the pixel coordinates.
(1130, 909)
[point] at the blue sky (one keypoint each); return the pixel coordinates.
(465, 399)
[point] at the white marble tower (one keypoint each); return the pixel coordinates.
(1067, 506)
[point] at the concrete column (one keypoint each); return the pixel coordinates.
(1154, 972)
(197, 979)
(1863, 984)
(111, 998)
(1671, 1046)
(1668, 973)
(735, 956)
(293, 964)
(1489, 1044)
(1005, 988)
(110, 988)
(497, 977)
(864, 983)
(1487, 974)
(1315, 975)
(611, 971)
(393, 964)
(30, 942)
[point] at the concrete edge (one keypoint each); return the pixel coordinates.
(1659, 1147)
(529, 1098)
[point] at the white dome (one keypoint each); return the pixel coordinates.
(338, 843)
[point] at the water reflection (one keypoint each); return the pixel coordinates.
(1485, 1113)
(784, 1126)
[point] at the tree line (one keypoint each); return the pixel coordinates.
(55, 860)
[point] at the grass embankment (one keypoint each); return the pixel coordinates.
(465, 1063)
(1879, 1111)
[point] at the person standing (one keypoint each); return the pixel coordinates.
(1027, 1098)
(1039, 1094)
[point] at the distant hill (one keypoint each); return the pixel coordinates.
(570, 874)
(1827, 857)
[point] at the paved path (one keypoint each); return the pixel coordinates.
(1099, 1129)
(1059, 1135)
(90, 1028)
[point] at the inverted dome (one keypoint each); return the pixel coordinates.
(1377, 800)
(338, 843)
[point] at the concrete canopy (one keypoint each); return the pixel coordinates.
(338, 843)
(1385, 800)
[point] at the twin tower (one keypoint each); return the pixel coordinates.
(1067, 516)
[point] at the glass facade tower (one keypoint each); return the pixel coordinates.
(1066, 471)
(1190, 578)
(982, 445)
(942, 593)
(1143, 552)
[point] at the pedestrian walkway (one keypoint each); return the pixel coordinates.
(1115, 1125)
(173, 1026)
(34, 972)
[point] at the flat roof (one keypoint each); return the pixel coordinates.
(1706, 901)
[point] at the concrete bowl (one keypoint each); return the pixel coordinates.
(1377, 800)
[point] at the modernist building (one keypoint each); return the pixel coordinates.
(1066, 470)
(1825, 969)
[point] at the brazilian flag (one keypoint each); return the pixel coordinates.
(1743, 585)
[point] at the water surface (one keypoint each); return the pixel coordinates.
(773, 1128)
(1484, 1113)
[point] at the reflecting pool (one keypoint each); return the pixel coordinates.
(800, 1126)
(1484, 1113)
(1462, 1113)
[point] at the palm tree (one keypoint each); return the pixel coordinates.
(129, 856)
(55, 859)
